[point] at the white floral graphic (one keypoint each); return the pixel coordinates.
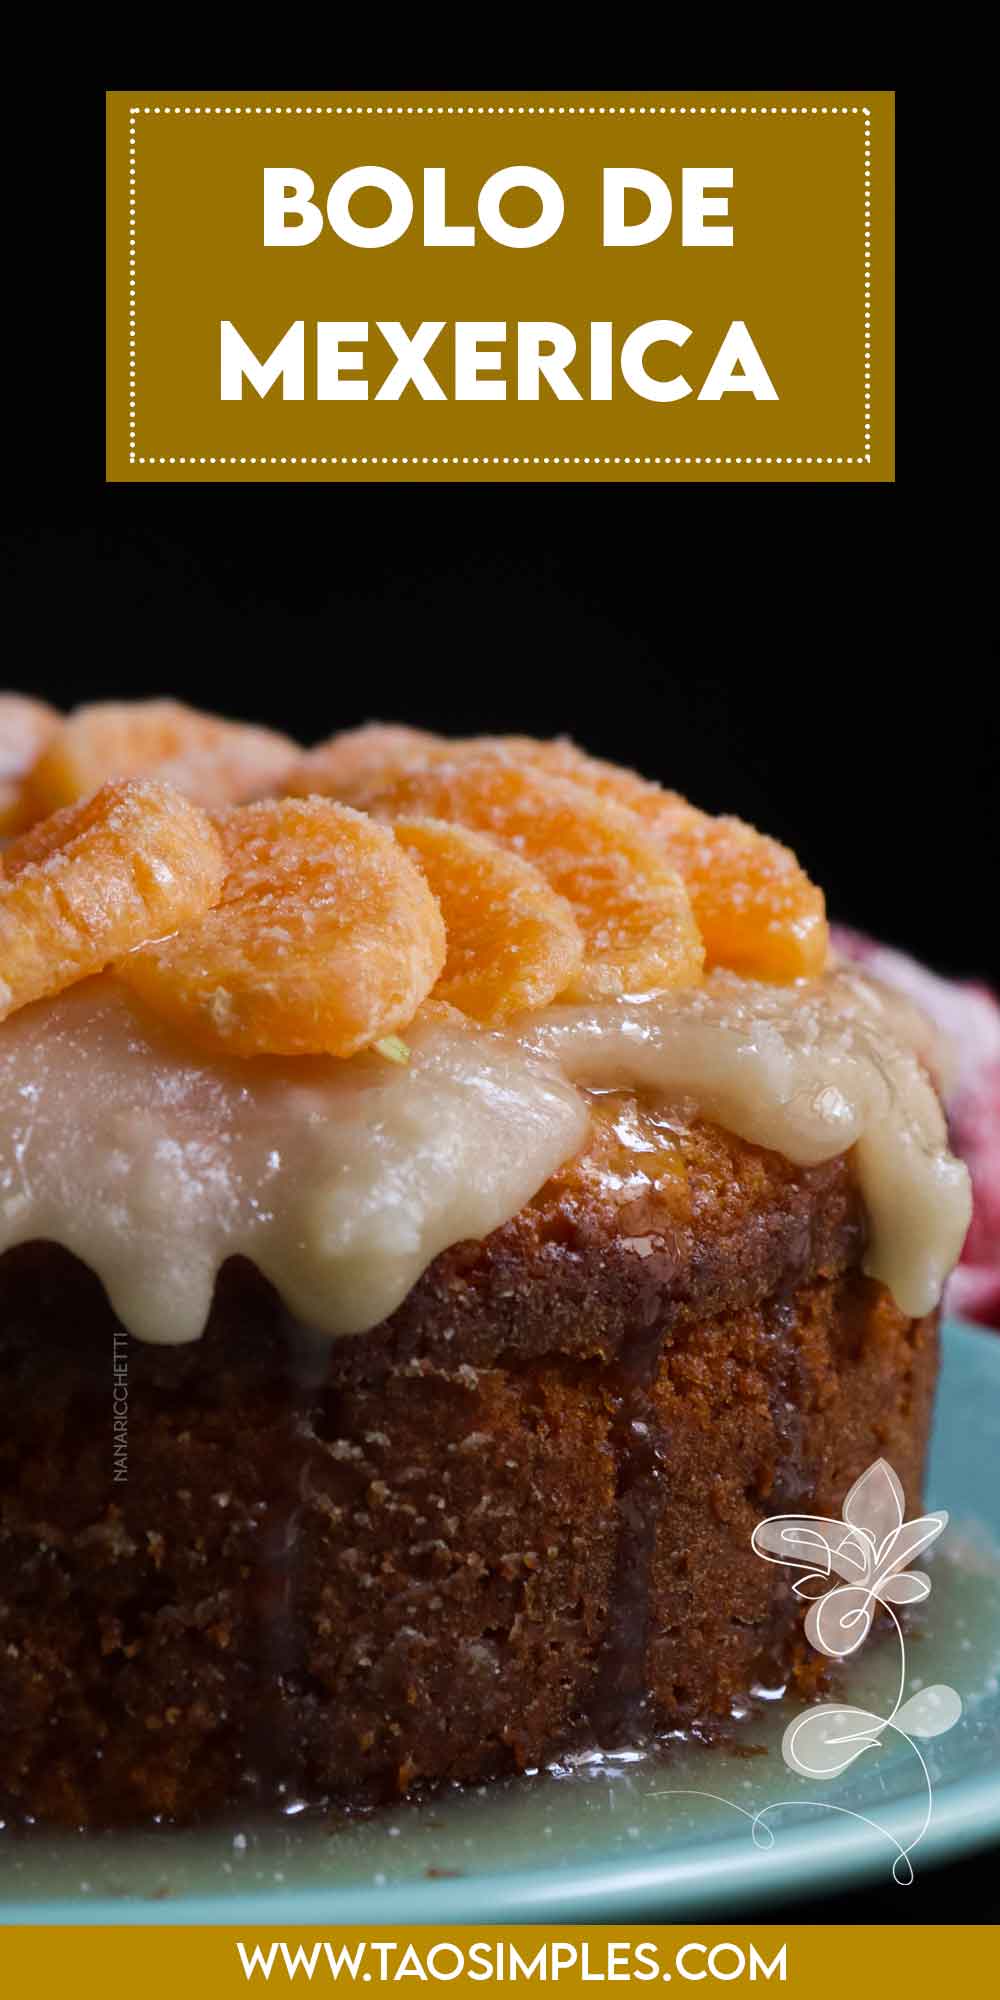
(870, 1548)
(850, 1567)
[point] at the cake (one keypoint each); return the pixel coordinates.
(448, 1195)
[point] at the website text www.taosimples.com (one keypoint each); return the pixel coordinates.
(384, 1961)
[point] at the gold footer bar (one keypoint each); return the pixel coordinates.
(823, 1961)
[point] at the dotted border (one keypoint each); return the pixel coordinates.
(490, 110)
(499, 110)
(131, 291)
(442, 460)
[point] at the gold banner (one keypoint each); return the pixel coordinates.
(814, 1961)
(531, 286)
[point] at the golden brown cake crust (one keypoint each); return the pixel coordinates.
(515, 1516)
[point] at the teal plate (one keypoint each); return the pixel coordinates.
(676, 1834)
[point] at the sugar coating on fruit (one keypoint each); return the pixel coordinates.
(326, 937)
(211, 760)
(26, 726)
(563, 902)
(513, 942)
(755, 907)
(757, 910)
(630, 904)
(97, 879)
(344, 766)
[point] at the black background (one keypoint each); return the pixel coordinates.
(815, 659)
(726, 642)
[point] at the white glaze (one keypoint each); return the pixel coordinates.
(343, 1180)
(808, 1071)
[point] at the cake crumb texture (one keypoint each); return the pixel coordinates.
(513, 1518)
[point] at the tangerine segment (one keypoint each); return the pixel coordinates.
(213, 761)
(25, 727)
(95, 880)
(326, 938)
(630, 904)
(346, 765)
(659, 808)
(513, 942)
(757, 910)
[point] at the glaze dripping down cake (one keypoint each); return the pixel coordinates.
(468, 1168)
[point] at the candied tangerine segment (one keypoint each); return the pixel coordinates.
(630, 904)
(211, 760)
(347, 764)
(513, 942)
(326, 938)
(757, 910)
(661, 809)
(97, 879)
(26, 725)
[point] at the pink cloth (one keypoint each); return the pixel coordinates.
(967, 1017)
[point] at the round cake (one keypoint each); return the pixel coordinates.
(444, 1205)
